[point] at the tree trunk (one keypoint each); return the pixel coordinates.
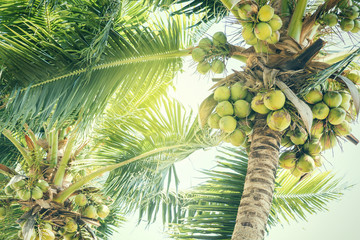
(256, 201)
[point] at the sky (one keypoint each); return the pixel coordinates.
(340, 222)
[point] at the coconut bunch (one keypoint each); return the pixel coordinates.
(34, 187)
(260, 25)
(345, 14)
(211, 54)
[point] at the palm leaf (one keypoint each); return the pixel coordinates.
(211, 208)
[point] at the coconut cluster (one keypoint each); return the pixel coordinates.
(346, 14)
(26, 190)
(332, 111)
(210, 54)
(259, 25)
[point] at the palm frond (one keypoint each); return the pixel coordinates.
(211, 208)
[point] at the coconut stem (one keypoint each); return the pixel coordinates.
(63, 195)
(233, 9)
(7, 133)
(53, 148)
(295, 26)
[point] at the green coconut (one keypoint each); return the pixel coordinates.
(330, 19)
(313, 96)
(262, 31)
(318, 160)
(222, 94)
(203, 67)
(299, 136)
(9, 191)
(305, 163)
(333, 99)
(103, 211)
(205, 44)
(238, 91)
(90, 211)
(275, 23)
(213, 121)
(312, 148)
(81, 200)
(43, 185)
(356, 27)
(274, 38)
(224, 108)
(317, 129)
(351, 12)
(24, 194)
(279, 120)
(266, 13)
(19, 184)
(249, 97)
(345, 102)
(244, 11)
(274, 100)
(347, 24)
(286, 141)
(219, 39)
(248, 33)
(198, 54)
(2, 213)
(36, 193)
(71, 225)
(242, 108)
(320, 110)
(217, 66)
(252, 41)
(336, 116)
(328, 141)
(344, 4)
(257, 104)
(237, 137)
(227, 124)
(355, 78)
(342, 129)
(287, 160)
(46, 234)
(296, 172)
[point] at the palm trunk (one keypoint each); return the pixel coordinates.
(256, 201)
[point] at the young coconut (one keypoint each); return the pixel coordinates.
(238, 91)
(317, 129)
(203, 67)
(71, 225)
(242, 109)
(347, 24)
(266, 13)
(237, 138)
(222, 94)
(103, 211)
(227, 124)
(305, 163)
(213, 121)
(287, 160)
(330, 19)
(274, 100)
(205, 44)
(333, 99)
(219, 39)
(217, 66)
(43, 185)
(36, 193)
(336, 116)
(274, 38)
(275, 23)
(262, 31)
(90, 212)
(313, 96)
(312, 148)
(24, 194)
(224, 108)
(257, 104)
(342, 129)
(299, 136)
(356, 27)
(19, 184)
(279, 120)
(81, 200)
(320, 110)
(198, 54)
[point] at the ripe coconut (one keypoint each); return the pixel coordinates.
(213, 121)
(356, 28)
(224, 108)
(203, 67)
(257, 104)
(2, 213)
(342, 129)
(90, 211)
(205, 44)
(217, 66)
(312, 148)
(286, 141)
(36, 193)
(222, 94)
(274, 38)
(262, 31)
(237, 137)
(347, 24)
(266, 13)
(274, 100)
(43, 185)
(328, 141)
(313, 96)
(24, 194)
(299, 136)
(305, 163)
(227, 124)
(275, 23)
(244, 11)
(46, 234)
(81, 200)
(242, 108)
(336, 116)
(103, 211)
(71, 225)
(320, 110)
(238, 91)
(317, 129)
(198, 54)
(219, 39)
(287, 160)
(279, 120)
(333, 99)
(330, 19)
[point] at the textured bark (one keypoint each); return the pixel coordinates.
(256, 201)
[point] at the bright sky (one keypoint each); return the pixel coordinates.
(339, 223)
